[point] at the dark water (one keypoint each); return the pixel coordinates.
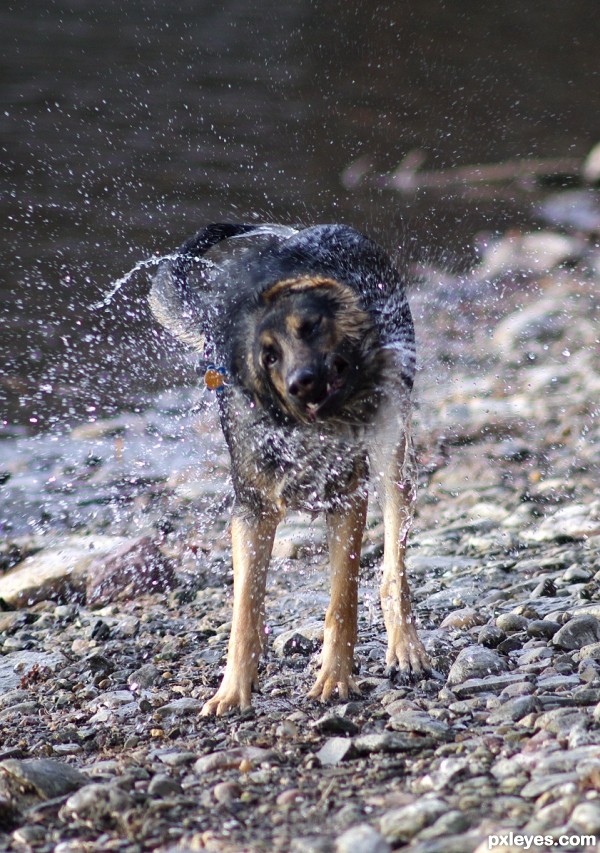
(126, 126)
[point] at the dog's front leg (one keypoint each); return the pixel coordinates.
(252, 543)
(345, 532)
(394, 470)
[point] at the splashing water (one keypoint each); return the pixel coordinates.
(146, 263)
(141, 265)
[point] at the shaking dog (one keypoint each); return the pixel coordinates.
(312, 343)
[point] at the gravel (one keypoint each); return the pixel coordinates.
(116, 590)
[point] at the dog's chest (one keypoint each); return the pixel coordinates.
(300, 467)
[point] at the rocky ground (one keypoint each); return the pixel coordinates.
(116, 593)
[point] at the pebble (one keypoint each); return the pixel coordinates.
(544, 628)
(227, 792)
(162, 785)
(334, 751)
(144, 677)
(474, 662)
(361, 839)
(490, 636)
(579, 631)
(511, 623)
(399, 826)
(97, 804)
(466, 617)
(420, 723)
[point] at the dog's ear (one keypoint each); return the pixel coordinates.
(185, 310)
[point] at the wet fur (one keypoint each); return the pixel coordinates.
(313, 331)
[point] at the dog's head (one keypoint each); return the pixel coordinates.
(308, 350)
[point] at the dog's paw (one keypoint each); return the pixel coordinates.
(233, 695)
(325, 686)
(406, 655)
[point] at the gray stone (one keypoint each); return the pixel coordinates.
(585, 818)
(491, 684)
(162, 785)
(475, 662)
(421, 723)
(577, 632)
(544, 628)
(361, 839)
(17, 664)
(511, 623)
(144, 677)
(183, 707)
(563, 782)
(57, 573)
(513, 710)
(49, 779)
(334, 724)
(400, 825)
(335, 750)
(97, 804)
(390, 742)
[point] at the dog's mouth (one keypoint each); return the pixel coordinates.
(332, 392)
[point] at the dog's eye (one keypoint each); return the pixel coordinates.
(270, 356)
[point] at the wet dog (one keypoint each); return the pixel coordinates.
(312, 344)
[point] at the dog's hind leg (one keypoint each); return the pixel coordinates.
(393, 469)
(345, 531)
(252, 543)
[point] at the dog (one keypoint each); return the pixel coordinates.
(313, 354)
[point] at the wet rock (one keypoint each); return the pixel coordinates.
(98, 804)
(466, 617)
(334, 724)
(55, 574)
(183, 707)
(162, 785)
(490, 636)
(577, 632)
(23, 782)
(585, 818)
(390, 742)
(14, 667)
(238, 757)
(361, 839)
(334, 751)
(576, 521)
(144, 677)
(511, 623)
(491, 684)
(420, 723)
(474, 662)
(294, 643)
(513, 710)
(131, 569)
(544, 628)
(399, 826)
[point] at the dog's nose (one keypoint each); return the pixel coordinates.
(301, 383)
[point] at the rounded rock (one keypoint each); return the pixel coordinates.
(544, 628)
(577, 632)
(586, 817)
(511, 623)
(361, 839)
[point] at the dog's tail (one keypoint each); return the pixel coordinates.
(184, 310)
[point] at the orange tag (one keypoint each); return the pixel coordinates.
(214, 379)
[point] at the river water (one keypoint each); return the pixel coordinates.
(126, 126)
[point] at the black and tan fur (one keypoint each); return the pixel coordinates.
(313, 332)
